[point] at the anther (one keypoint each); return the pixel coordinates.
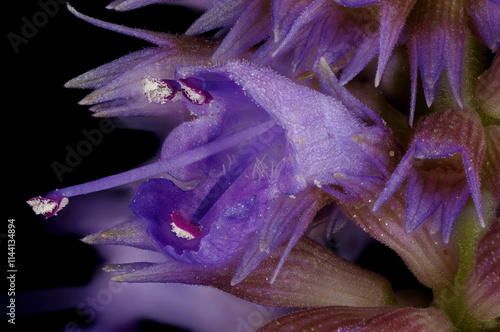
(157, 90)
(192, 90)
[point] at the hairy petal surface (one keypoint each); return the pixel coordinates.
(125, 5)
(482, 288)
(251, 28)
(132, 233)
(314, 157)
(393, 15)
(491, 165)
(131, 85)
(432, 262)
(325, 29)
(486, 16)
(349, 319)
(311, 276)
(437, 43)
(221, 13)
(442, 168)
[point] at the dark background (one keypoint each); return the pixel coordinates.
(41, 118)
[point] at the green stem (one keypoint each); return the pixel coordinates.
(451, 298)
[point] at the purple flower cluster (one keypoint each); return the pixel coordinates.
(279, 129)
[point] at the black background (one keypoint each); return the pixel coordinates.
(41, 118)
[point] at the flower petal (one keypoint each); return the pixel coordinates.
(326, 29)
(156, 38)
(286, 219)
(393, 16)
(125, 5)
(337, 143)
(486, 16)
(222, 13)
(252, 27)
(437, 43)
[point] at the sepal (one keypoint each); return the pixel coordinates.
(348, 319)
(310, 277)
(482, 288)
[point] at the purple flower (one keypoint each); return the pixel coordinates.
(248, 154)
(348, 34)
(436, 40)
(344, 37)
(276, 137)
(302, 283)
(442, 169)
(132, 85)
(481, 289)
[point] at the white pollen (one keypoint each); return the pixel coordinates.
(179, 232)
(45, 206)
(63, 203)
(193, 95)
(317, 183)
(155, 90)
(292, 196)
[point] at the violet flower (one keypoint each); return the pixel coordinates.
(249, 152)
(277, 132)
(348, 34)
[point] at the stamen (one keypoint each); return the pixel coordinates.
(220, 187)
(158, 91)
(140, 173)
(183, 228)
(192, 90)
